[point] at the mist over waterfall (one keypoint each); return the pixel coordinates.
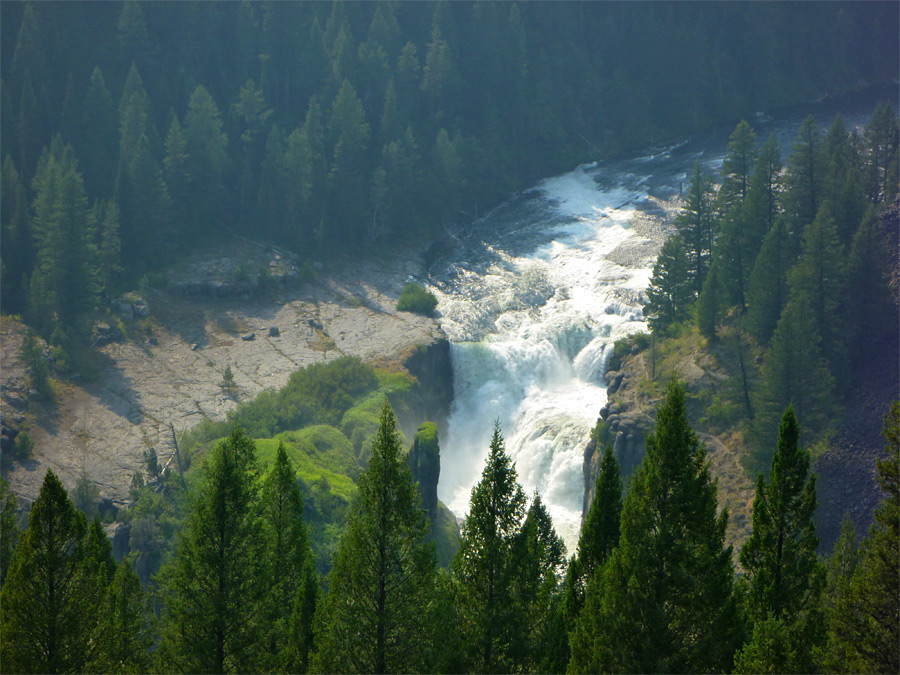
(536, 292)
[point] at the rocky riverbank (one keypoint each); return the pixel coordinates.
(166, 369)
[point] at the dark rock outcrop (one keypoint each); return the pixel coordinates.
(431, 366)
(425, 462)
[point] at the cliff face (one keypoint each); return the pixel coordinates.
(636, 388)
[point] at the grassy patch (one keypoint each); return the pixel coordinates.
(416, 299)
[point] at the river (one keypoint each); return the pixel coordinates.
(536, 292)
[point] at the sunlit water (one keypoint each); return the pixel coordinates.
(532, 304)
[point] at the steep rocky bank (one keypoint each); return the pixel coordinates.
(167, 368)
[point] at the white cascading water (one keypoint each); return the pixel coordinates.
(529, 338)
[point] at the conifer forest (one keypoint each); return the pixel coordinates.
(722, 289)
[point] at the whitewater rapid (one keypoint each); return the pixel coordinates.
(530, 335)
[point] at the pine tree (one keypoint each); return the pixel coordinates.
(384, 571)
(125, 630)
(865, 627)
(761, 207)
(767, 291)
(843, 190)
(96, 142)
(48, 618)
(207, 154)
(737, 167)
(670, 291)
(866, 299)
(303, 632)
(540, 561)
(794, 373)
(710, 303)
(804, 180)
(600, 532)
(665, 602)
(175, 167)
(214, 586)
(698, 226)
(484, 565)
(839, 569)
(817, 282)
(63, 226)
(785, 578)
(109, 248)
(287, 556)
(882, 145)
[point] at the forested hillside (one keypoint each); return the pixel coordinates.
(131, 131)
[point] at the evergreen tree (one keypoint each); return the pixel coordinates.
(214, 586)
(65, 270)
(785, 578)
(109, 247)
(303, 631)
(697, 226)
(540, 561)
(9, 529)
(670, 291)
(839, 570)
(737, 167)
(817, 281)
(865, 627)
(794, 372)
(125, 630)
(207, 154)
(95, 141)
(484, 566)
(349, 134)
(767, 291)
(287, 556)
(804, 180)
(383, 577)
(175, 166)
(665, 601)
(761, 207)
(843, 185)
(866, 301)
(48, 617)
(600, 532)
(710, 303)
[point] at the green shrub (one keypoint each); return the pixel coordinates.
(416, 299)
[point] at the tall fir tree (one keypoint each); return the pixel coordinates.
(207, 155)
(670, 292)
(600, 532)
(697, 224)
(214, 586)
(484, 566)
(803, 181)
(64, 284)
(383, 577)
(125, 631)
(540, 561)
(767, 292)
(784, 576)
(666, 601)
(794, 372)
(49, 613)
(817, 282)
(865, 300)
(763, 202)
(15, 228)
(287, 556)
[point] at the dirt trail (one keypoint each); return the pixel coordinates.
(173, 376)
